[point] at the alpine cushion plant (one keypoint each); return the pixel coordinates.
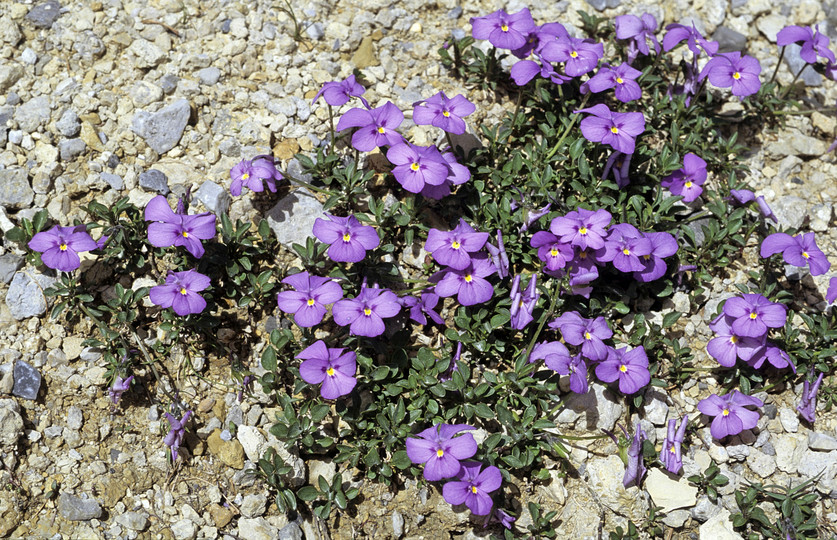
(579, 56)
(168, 228)
(365, 314)
(753, 314)
(440, 451)
(625, 247)
(348, 238)
(120, 386)
(731, 70)
(308, 303)
(473, 486)
(687, 180)
(376, 127)
(254, 174)
(454, 248)
(60, 246)
(180, 292)
(551, 250)
(333, 368)
(424, 307)
(731, 415)
(800, 250)
(618, 130)
(629, 368)
(443, 112)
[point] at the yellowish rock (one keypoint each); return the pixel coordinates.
(231, 453)
(364, 56)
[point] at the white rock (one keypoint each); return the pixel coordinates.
(821, 441)
(252, 440)
(789, 419)
(184, 530)
(605, 479)
(256, 529)
(668, 493)
(719, 527)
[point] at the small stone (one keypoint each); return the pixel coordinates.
(821, 217)
(231, 453)
(220, 516)
(315, 31)
(9, 264)
(144, 93)
(28, 56)
(71, 149)
(214, 197)
(184, 529)
(11, 424)
(291, 531)
(364, 56)
(729, 40)
(655, 408)
(253, 505)
(252, 441)
(821, 442)
(9, 31)
(113, 180)
(9, 74)
(134, 521)
(293, 217)
(154, 180)
(33, 114)
(397, 524)
(25, 297)
(74, 418)
(601, 5)
(790, 211)
(668, 493)
(15, 191)
(256, 529)
(91, 137)
(45, 14)
(77, 509)
(168, 83)
(69, 124)
(676, 518)
(162, 130)
(761, 463)
(789, 419)
(147, 54)
(209, 76)
(719, 527)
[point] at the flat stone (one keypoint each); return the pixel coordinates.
(44, 14)
(605, 479)
(252, 441)
(220, 516)
(11, 424)
(184, 529)
(790, 210)
(291, 531)
(729, 40)
(134, 521)
(15, 191)
(215, 198)
(668, 493)
(253, 505)
(113, 180)
(795, 63)
(155, 181)
(821, 442)
(231, 453)
(601, 5)
(719, 527)
(364, 56)
(77, 509)
(71, 149)
(655, 407)
(9, 264)
(146, 53)
(25, 297)
(144, 93)
(75, 418)
(256, 529)
(10, 73)
(162, 130)
(762, 464)
(292, 219)
(789, 419)
(33, 114)
(209, 76)
(69, 124)
(600, 406)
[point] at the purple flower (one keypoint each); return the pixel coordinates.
(180, 292)
(630, 368)
(662, 245)
(171, 229)
(523, 303)
(60, 246)
(582, 271)
(499, 256)
(731, 70)
(338, 93)
(765, 209)
(551, 250)
(675, 33)
(620, 165)
(473, 487)
(457, 174)
(808, 401)
(454, 248)
(574, 366)
(120, 386)
(376, 127)
(618, 130)
(417, 166)
(774, 355)
(588, 333)
(582, 228)
(469, 284)
(526, 70)
(504, 30)
(622, 78)
(744, 196)
(501, 517)
(440, 451)
(367, 312)
(813, 42)
(799, 250)
(687, 180)
(831, 293)
(638, 30)
(753, 314)
(670, 453)
(418, 308)
(348, 238)
(331, 367)
(555, 350)
(731, 413)
(626, 247)
(308, 302)
(252, 173)
(580, 56)
(175, 435)
(443, 112)
(635, 466)
(728, 346)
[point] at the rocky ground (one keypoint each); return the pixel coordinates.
(113, 98)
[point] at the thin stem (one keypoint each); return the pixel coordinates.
(567, 130)
(309, 186)
(555, 294)
(779, 63)
(795, 78)
(331, 127)
(150, 363)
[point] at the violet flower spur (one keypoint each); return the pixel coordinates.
(731, 413)
(731, 70)
(469, 284)
(523, 304)
(583, 228)
(814, 43)
(308, 302)
(555, 349)
(727, 346)
(629, 368)
(440, 451)
(551, 250)
(621, 78)
(331, 367)
(120, 386)
(754, 314)
(175, 435)
(619, 164)
(663, 245)
(252, 173)
(498, 255)
(417, 166)
(171, 229)
(687, 180)
(625, 246)
(808, 401)
(59, 247)
(337, 93)
(618, 130)
(180, 292)
(774, 355)
(454, 248)
(638, 30)
(831, 292)
(635, 465)
(443, 112)
(588, 333)
(348, 238)
(670, 454)
(376, 127)
(473, 486)
(799, 250)
(504, 30)
(367, 312)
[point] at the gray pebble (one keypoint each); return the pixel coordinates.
(209, 76)
(397, 524)
(795, 63)
(77, 509)
(113, 180)
(71, 149)
(790, 211)
(53, 432)
(69, 124)
(13, 98)
(168, 83)
(230, 147)
(134, 521)
(291, 531)
(32, 114)
(162, 130)
(27, 381)
(9, 264)
(601, 5)
(74, 418)
(315, 31)
(15, 136)
(28, 56)
(214, 197)
(154, 180)
(729, 40)
(25, 297)
(455, 13)
(292, 219)
(45, 14)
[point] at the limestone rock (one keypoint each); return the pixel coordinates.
(668, 493)
(231, 453)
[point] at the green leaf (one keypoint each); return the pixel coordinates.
(400, 460)
(670, 318)
(269, 358)
(307, 493)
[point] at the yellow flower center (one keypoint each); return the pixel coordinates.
(63, 247)
(805, 254)
(587, 335)
(414, 166)
(473, 489)
(574, 54)
(623, 368)
(754, 315)
(440, 452)
(582, 230)
(626, 251)
(725, 412)
(671, 449)
(582, 254)
(455, 244)
(553, 252)
(347, 237)
(183, 291)
(733, 339)
(310, 301)
(688, 184)
(330, 371)
(184, 234)
(245, 176)
(381, 129)
(504, 28)
(646, 257)
(736, 75)
(619, 80)
(446, 114)
(468, 278)
(614, 129)
(367, 311)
